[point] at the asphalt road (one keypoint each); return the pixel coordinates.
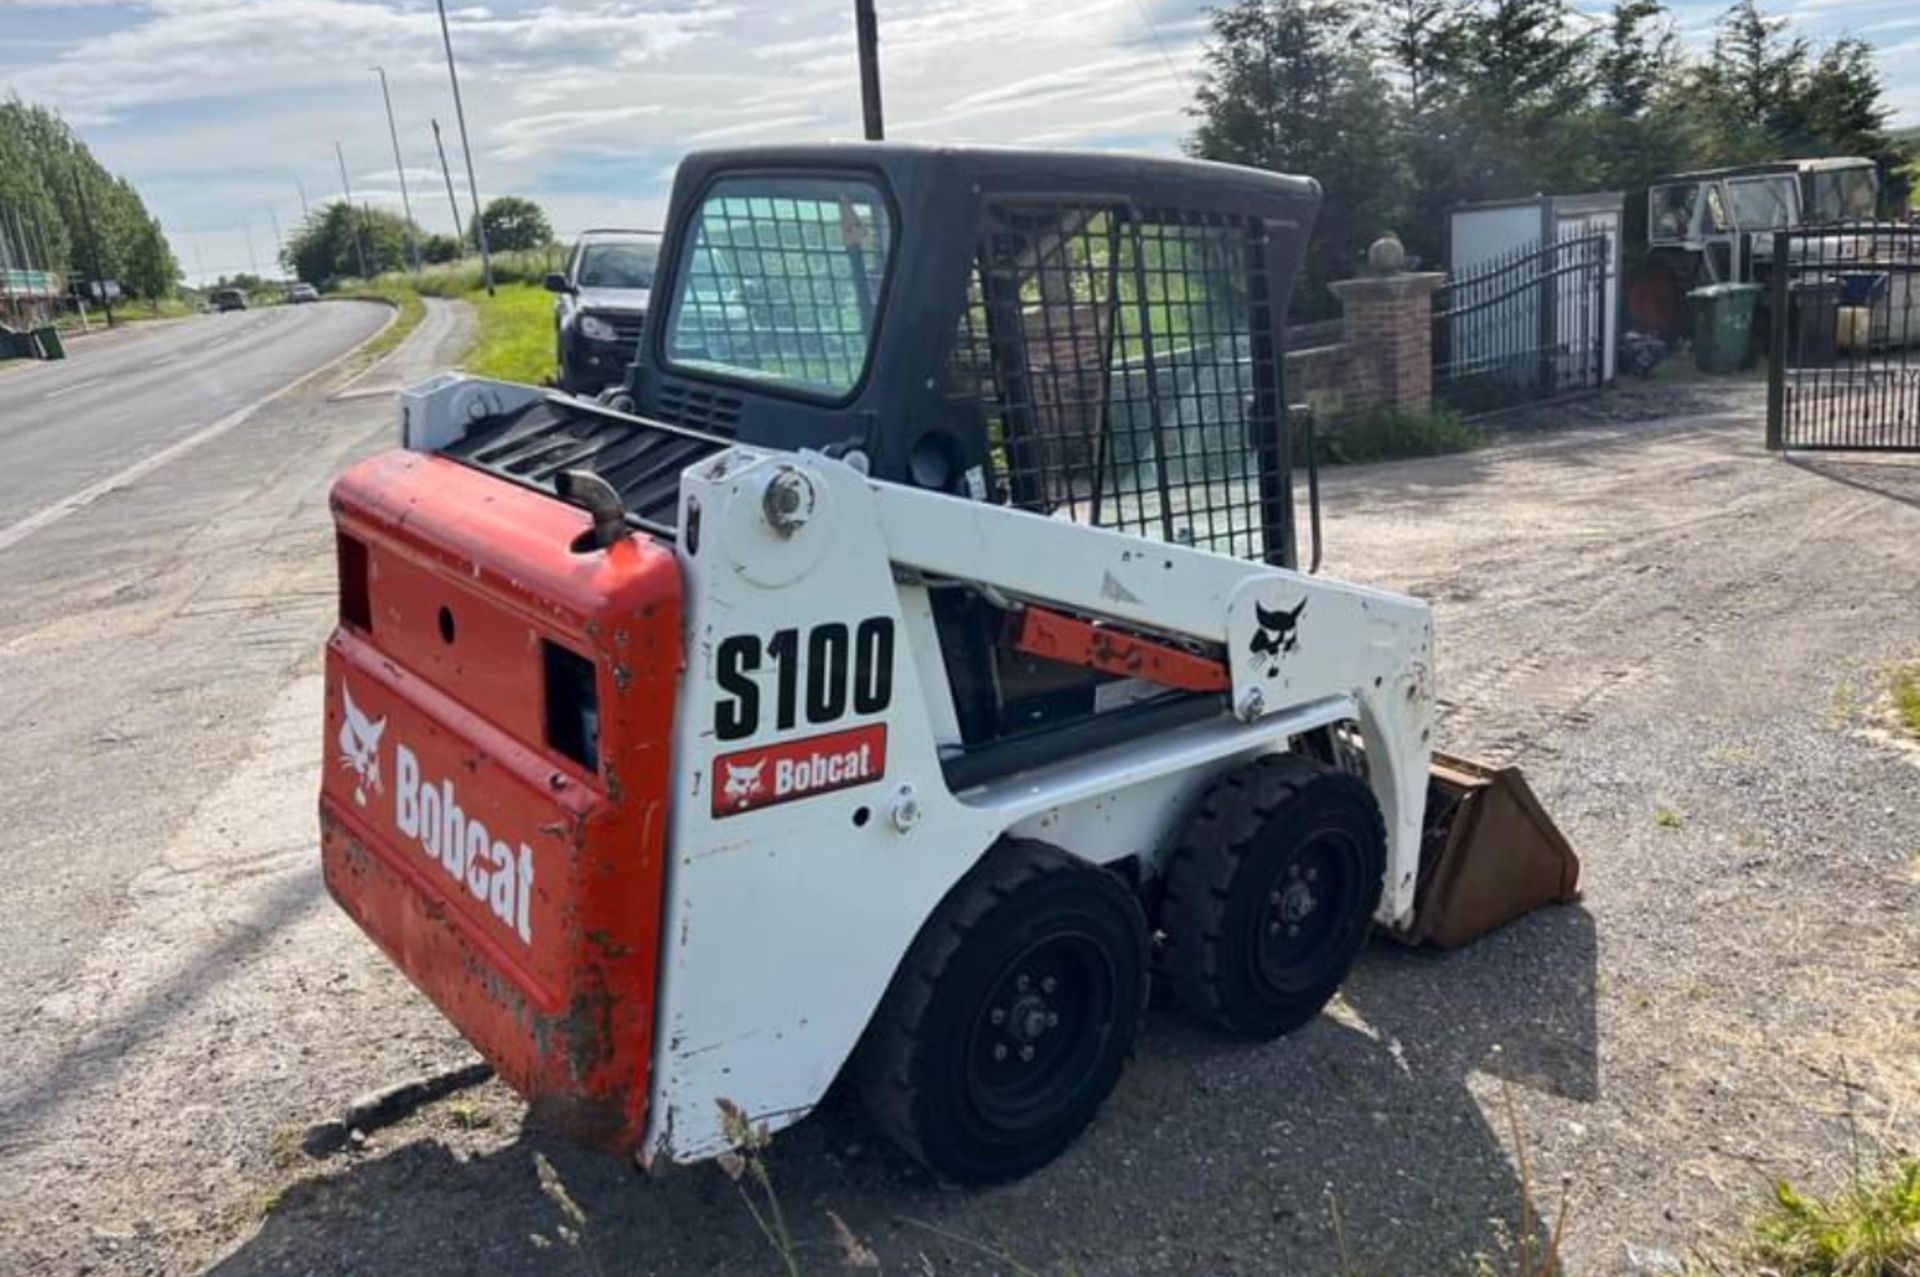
(90, 527)
(120, 397)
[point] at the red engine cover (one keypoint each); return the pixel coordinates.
(518, 888)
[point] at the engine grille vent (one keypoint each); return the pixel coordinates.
(699, 408)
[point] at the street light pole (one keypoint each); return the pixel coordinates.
(359, 249)
(406, 203)
(466, 151)
(459, 231)
(280, 246)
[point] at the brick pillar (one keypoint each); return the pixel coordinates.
(1389, 340)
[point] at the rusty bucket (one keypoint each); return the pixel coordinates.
(1489, 854)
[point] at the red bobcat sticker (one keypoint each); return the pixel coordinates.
(752, 778)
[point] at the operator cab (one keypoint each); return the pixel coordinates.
(1091, 337)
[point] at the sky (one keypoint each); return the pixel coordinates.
(221, 111)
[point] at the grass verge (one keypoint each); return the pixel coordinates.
(1385, 436)
(404, 298)
(516, 335)
(516, 323)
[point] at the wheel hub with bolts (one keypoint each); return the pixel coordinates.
(1302, 908)
(1027, 1020)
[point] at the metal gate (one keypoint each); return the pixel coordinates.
(1843, 317)
(1528, 324)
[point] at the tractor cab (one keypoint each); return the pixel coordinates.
(1715, 226)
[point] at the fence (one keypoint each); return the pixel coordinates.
(1528, 324)
(1843, 318)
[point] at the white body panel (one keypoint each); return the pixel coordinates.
(786, 922)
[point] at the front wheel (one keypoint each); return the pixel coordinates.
(1011, 1017)
(1271, 894)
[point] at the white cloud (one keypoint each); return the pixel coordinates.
(216, 107)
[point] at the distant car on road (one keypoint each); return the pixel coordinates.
(602, 306)
(229, 299)
(303, 293)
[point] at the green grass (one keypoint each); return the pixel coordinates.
(404, 299)
(516, 335)
(1869, 1228)
(1385, 436)
(127, 312)
(516, 324)
(1906, 697)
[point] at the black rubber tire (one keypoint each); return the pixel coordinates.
(1236, 875)
(923, 1067)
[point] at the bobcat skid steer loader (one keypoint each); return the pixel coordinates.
(907, 666)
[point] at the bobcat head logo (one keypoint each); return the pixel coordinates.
(1277, 635)
(744, 782)
(360, 746)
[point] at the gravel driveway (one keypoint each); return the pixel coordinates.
(1681, 638)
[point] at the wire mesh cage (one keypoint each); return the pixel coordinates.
(1121, 360)
(782, 281)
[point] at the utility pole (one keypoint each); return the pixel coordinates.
(359, 249)
(400, 169)
(253, 258)
(867, 33)
(459, 231)
(466, 152)
(93, 239)
(306, 214)
(280, 245)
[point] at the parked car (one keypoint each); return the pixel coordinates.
(303, 293)
(602, 306)
(229, 299)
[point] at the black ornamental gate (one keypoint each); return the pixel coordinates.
(1528, 324)
(1843, 332)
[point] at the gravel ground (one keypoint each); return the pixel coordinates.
(1683, 640)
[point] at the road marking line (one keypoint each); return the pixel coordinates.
(78, 385)
(18, 532)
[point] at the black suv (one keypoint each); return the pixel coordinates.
(602, 306)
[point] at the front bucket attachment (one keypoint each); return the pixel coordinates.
(1489, 854)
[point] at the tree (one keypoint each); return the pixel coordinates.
(151, 271)
(330, 245)
(1291, 87)
(1405, 109)
(1639, 59)
(1425, 47)
(75, 217)
(514, 224)
(1526, 58)
(435, 249)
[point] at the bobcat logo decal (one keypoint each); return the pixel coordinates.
(360, 746)
(744, 782)
(1277, 635)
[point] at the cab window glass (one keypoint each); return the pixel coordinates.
(617, 265)
(781, 281)
(1763, 204)
(1673, 209)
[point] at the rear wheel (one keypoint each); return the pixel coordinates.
(1269, 899)
(1011, 1017)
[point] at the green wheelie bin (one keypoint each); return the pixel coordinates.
(1723, 326)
